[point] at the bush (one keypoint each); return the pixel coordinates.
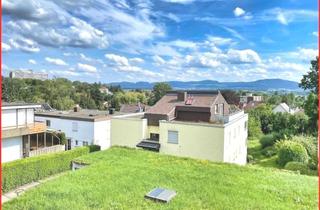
(310, 144)
(302, 168)
(250, 159)
(269, 151)
(291, 151)
(94, 148)
(267, 140)
(20, 172)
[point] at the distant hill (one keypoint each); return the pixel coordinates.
(260, 85)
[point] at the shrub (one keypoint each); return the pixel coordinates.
(254, 127)
(267, 140)
(31, 169)
(297, 166)
(310, 144)
(269, 151)
(291, 151)
(94, 148)
(250, 159)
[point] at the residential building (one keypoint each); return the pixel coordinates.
(284, 108)
(28, 74)
(133, 108)
(196, 124)
(105, 90)
(22, 136)
(250, 97)
(81, 126)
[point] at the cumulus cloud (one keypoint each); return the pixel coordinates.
(23, 44)
(5, 47)
(56, 61)
(87, 68)
(31, 61)
(136, 60)
(117, 59)
(243, 56)
(51, 25)
(238, 12)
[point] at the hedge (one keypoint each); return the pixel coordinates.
(23, 171)
(302, 168)
(267, 140)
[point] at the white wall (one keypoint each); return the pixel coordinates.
(11, 149)
(91, 132)
(235, 140)
(102, 134)
(9, 117)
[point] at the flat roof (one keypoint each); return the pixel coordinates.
(19, 105)
(82, 115)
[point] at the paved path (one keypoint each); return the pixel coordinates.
(20, 190)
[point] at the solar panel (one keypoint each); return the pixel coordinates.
(160, 194)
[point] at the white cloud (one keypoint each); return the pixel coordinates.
(136, 60)
(31, 61)
(282, 19)
(182, 44)
(179, 1)
(173, 17)
(305, 54)
(56, 61)
(243, 56)
(158, 60)
(5, 47)
(23, 44)
(315, 33)
(286, 16)
(117, 59)
(204, 60)
(87, 68)
(219, 40)
(238, 12)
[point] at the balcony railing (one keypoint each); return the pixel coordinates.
(47, 150)
(32, 128)
(227, 118)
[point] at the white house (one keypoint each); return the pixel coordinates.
(22, 136)
(81, 127)
(284, 108)
(196, 124)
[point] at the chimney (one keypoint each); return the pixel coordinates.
(182, 96)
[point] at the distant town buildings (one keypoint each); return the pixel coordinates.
(133, 108)
(105, 90)
(28, 74)
(249, 101)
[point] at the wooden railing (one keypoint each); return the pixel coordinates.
(47, 150)
(36, 127)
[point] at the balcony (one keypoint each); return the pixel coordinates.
(227, 118)
(36, 127)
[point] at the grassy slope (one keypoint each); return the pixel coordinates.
(254, 149)
(118, 179)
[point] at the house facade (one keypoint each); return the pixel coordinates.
(22, 135)
(196, 124)
(81, 127)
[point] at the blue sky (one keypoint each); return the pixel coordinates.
(160, 40)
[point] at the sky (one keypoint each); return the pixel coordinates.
(160, 40)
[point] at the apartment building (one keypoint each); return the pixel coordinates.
(196, 124)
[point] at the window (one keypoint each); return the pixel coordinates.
(84, 143)
(76, 142)
(221, 109)
(154, 136)
(75, 126)
(48, 123)
(216, 108)
(173, 137)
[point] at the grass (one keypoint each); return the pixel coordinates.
(119, 178)
(254, 149)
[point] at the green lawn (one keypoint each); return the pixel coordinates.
(254, 149)
(119, 178)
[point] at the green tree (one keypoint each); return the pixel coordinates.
(158, 91)
(310, 82)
